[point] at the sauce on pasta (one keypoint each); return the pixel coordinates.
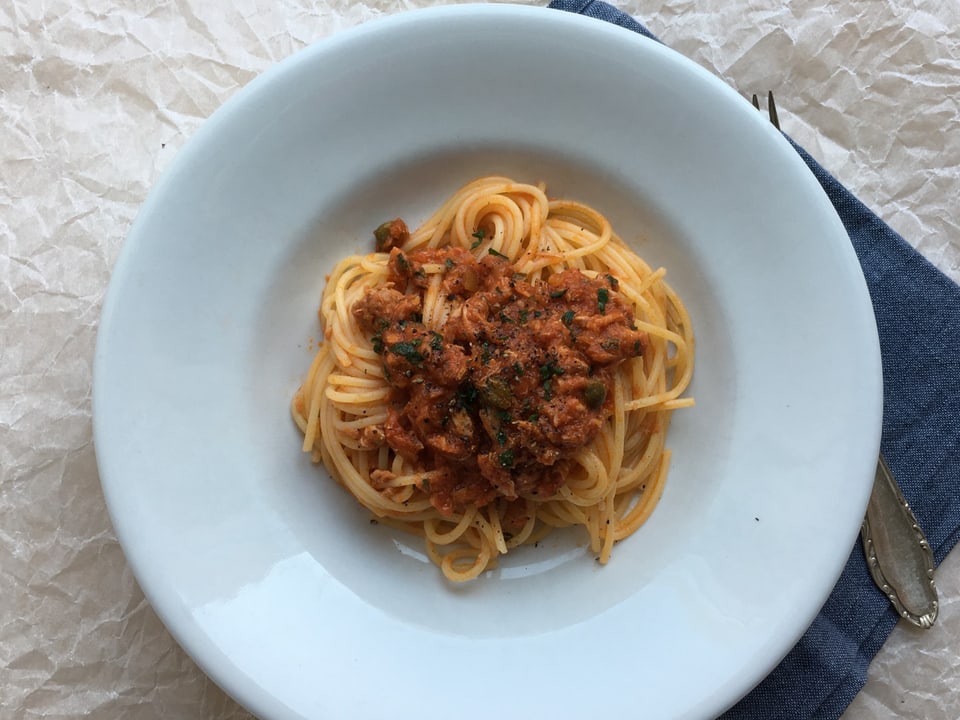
(508, 368)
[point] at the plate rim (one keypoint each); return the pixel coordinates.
(176, 619)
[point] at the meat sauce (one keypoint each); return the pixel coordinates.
(517, 381)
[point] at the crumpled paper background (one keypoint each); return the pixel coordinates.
(97, 97)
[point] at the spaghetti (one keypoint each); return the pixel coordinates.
(508, 368)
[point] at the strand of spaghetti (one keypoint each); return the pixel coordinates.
(445, 538)
(491, 531)
(357, 381)
(607, 525)
(434, 305)
(618, 425)
(647, 502)
(586, 488)
(463, 564)
(528, 526)
(354, 397)
(316, 391)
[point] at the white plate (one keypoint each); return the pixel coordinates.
(271, 576)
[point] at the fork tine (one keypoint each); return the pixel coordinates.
(756, 103)
(771, 109)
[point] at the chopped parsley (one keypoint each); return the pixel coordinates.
(479, 234)
(407, 349)
(497, 254)
(603, 297)
(506, 458)
(550, 369)
(558, 293)
(568, 318)
(466, 396)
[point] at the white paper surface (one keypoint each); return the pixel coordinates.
(96, 97)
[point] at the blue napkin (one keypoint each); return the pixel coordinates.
(918, 319)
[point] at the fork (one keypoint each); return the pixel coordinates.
(897, 551)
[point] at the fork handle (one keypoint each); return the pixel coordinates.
(898, 554)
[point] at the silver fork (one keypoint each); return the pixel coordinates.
(897, 551)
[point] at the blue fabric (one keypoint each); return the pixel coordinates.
(918, 319)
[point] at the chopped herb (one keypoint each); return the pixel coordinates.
(537, 313)
(614, 283)
(408, 351)
(479, 238)
(558, 293)
(533, 417)
(568, 318)
(603, 297)
(550, 369)
(501, 437)
(595, 393)
(518, 369)
(479, 234)
(523, 315)
(485, 352)
(449, 263)
(466, 396)
(547, 390)
(637, 347)
(425, 485)
(506, 458)
(497, 254)
(610, 344)
(504, 318)
(436, 342)
(377, 344)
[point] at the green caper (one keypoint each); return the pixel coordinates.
(382, 234)
(496, 393)
(595, 393)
